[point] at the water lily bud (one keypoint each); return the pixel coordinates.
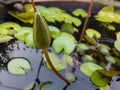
(41, 35)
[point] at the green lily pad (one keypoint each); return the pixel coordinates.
(18, 65)
(26, 17)
(117, 45)
(110, 59)
(25, 34)
(118, 35)
(65, 43)
(8, 27)
(107, 87)
(88, 68)
(80, 12)
(54, 31)
(99, 79)
(104, 49)
(106, 14)
(91, 32)
(88, 58)
(90, 40)
(5, 38)
(70, 77)
(55, 60)
(48, 85)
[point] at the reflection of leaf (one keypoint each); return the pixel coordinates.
(99, 79)
(63, 43)
(26, 17)
(80, 12)
(48, 85)
(56, 62)
(89, 67)
(18, 66)
(25, 34)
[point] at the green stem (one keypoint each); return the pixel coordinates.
(86, 20)
(53, 68)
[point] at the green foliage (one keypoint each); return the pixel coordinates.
(18, 66)
(70, 77)
(64, 42)
(99, 79)
(80, 12)
(89, 67)
(117, 42)
(25, 34)
(47, 86)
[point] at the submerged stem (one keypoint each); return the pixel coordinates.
(86, 20)
(53, 68)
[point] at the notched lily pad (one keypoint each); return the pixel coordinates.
(91, 32)
(48, 85)
(80, 12)
(99, 79)
(18, 66)
(89, 67)
(65, 43)
(55, 60)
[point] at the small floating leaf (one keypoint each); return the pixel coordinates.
(91, 32)
(65, 43)
(80, 12)
(88, 58)
(48, 85)
(90, 40)
(18, 66)
(110, 59)
(8, 27)
(5, 38)
(118, 35)
(107, 87)
(117, 45)
(104, 49)
(66, 27)
(54, 31)
(26, 17)
(99, 79)
(56, 62)
(70, 77)
(25, 34)
(89, 67)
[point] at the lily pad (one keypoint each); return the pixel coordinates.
(48, 85)
(8, 27)
(25, 34)
(18, 65)
(65, 43)
(117, 45)
(107, 87)
(89, 67)
(91, 32)
(54, 31)
(90, 40)
(70, 77)
(99, 79)
(5, 38)
(80, 12)
(55, 60)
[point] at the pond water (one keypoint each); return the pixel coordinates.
(17, 48)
